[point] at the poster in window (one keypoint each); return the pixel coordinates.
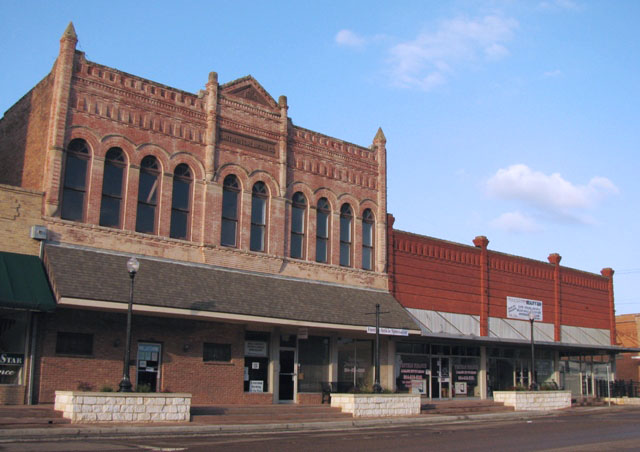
(256, 386)
(255, 348)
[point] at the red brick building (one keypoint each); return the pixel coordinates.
(264, 249)
(628, 335)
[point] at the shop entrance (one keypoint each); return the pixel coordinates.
(440, 378)
(148, 365)
(288, 363)
(522, 373)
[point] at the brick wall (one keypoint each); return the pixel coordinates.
(182, 368)
(433, 274)
(628, 335)
(19, 210)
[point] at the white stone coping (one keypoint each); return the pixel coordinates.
(534, 400)
(377, 405)
(90, 407)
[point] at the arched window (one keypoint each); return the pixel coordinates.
(346, 217)
(298, 210)
(367, 239)
(148, 195)
(75, 180)
(230, 192)
(112, 183)
(322, 230)
(180, 202)
(259, 198)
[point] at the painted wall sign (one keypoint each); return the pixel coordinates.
(11, 359)
(388, 331)
(519, 308)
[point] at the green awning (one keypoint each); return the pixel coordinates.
(23, 283)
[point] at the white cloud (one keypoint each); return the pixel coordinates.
(550, 193)
(426, 61)
(349, 38)
(570, 5)
(552, 74)
(515, 222)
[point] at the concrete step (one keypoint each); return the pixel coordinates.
(262, 414)
(30, 416)
(464, 407)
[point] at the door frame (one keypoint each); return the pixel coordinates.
(294, 375)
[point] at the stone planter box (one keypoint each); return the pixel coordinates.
(623, 400)
(534, 400)
(90, 407)
(377, 405)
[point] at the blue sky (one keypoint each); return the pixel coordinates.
(515, 120)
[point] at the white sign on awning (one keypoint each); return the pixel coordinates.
(388, 331)
(519, 308)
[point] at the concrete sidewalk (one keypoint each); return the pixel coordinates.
(12, 431)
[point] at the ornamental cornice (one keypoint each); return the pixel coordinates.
(155, 104)
(316, 151)
(266, 114)
(238, 126)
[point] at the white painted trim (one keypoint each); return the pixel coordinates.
(161, 310)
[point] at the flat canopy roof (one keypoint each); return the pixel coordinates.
(98, 276)
(23, 283)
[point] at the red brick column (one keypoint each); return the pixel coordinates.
(608, 273)
(557, 305)
(482, 242)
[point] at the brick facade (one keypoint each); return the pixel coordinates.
(433, 274)
(628, 335)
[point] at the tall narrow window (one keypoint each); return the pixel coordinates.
(230, 192)
(298, 210)
(346, 217)
(112, 182)
(322, 230)
(258, 216)
(180, 202)
(367, 239)
(148, 195)
(75, 180)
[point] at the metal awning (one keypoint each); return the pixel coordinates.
(23, 283)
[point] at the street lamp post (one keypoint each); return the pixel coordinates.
(533, 359)
(125, 384)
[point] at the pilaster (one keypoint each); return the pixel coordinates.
(608, 273)
(63, 72)
(482, 242)
(380, 145)
(555, 260)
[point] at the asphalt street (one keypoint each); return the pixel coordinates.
(589, 430)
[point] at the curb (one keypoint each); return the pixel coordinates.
(65, 433)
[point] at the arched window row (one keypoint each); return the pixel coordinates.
(113, 188)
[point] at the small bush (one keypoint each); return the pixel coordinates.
(106, 388)
(84, 386)
(144, 387)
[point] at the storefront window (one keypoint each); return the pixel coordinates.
(13, 327)
(355, 364)
(412, 373)
(256, 362)
(465, 377)
(314, 359)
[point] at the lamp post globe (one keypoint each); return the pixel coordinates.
(125, 384)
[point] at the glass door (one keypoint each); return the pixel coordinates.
(148, 366)
(286, 392)
(440, 378)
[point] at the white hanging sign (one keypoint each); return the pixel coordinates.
(519, 308)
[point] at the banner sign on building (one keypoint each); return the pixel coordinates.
(519, 308)
(388, 331)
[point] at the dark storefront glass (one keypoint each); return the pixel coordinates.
(256, 362)
(314, 359)
(355, 364)
(13, 328)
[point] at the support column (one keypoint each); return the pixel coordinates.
(608, 273)
(482, 373)
(212, 117)
(482, 242)
(557, 321)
